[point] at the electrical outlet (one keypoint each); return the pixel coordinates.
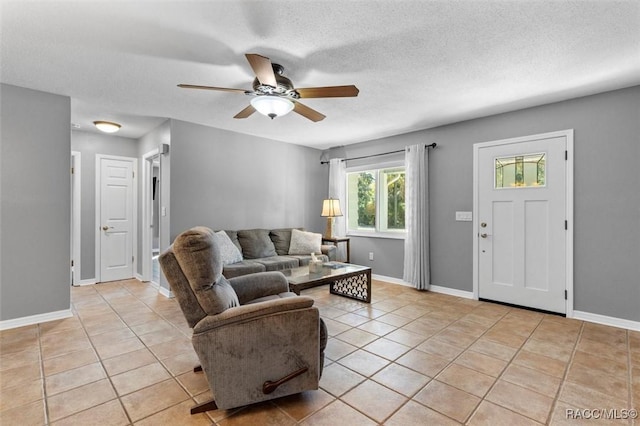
(370, 255)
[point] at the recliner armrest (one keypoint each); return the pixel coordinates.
(253, 286)
(248, 312)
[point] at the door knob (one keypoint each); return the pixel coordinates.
(484, 235)
(105, 228)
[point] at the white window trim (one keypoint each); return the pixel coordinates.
(395, 235)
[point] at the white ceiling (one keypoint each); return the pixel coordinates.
(418, 64)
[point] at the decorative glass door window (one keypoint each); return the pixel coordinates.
(521, 171)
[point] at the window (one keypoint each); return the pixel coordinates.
(376, 201)
(520, 171)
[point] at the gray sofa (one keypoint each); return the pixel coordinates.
(268, 250)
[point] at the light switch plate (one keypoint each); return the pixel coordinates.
(464, 216)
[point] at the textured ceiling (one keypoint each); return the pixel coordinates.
(418, 64)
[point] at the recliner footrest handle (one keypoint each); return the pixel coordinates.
(269, 386)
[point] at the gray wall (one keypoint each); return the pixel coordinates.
(35, 212)
(89, 145)
(606, 196)
(226, 180)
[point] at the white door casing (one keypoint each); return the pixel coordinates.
(76, 191)
(147, 208)
(115, 217)
(523, 251)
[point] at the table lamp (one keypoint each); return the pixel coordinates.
(330, 209)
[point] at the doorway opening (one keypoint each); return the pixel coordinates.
(151, 211)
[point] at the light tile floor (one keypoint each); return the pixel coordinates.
(407, 358)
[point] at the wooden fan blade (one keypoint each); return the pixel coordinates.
(262, 67)
(329, 92)
(245, 112)
(223, 89)
(307, 112)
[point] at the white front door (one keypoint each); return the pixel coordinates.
(521, 221)
(116, 218)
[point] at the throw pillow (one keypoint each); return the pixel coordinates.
(228, 251)
(303, 242)
(256, 243)
(282, 240)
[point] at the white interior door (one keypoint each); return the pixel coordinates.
(116, 222)
(521, 222)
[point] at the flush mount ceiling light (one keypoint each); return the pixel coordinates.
(107, 126)
(272, 106)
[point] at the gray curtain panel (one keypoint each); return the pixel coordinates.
(416, 244)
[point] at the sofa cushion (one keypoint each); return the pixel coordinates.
(278, 263)
(198, 257)
(228, 251)
(303, 242)
(304, 259)
(242, 268)
(282, 239)
(256, 243)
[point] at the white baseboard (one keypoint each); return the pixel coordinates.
(89, 281)
(165, 292)
(139, 277)
(606, 320)
(434, 288)
(451, 291)
(391, 280)
(35, 319)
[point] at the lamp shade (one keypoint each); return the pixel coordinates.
(272, 106)
(331, 208)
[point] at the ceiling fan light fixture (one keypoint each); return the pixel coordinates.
(107, 126)
(272, 106)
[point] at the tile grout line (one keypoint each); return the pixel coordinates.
(566, 372)
(102, 361)
(171, 375)
(431, 379)
(519, 349)
(44, 378)
(629, 375)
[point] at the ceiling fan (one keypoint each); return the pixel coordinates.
(273, 94)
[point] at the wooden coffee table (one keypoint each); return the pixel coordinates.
(344, 279)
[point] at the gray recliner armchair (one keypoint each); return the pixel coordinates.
(255, 340)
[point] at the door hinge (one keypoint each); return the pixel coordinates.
(133, 258)
(72, 170)
(566, 225)
(566, 155)
(565, 295)
(133, 174)
(72, 263)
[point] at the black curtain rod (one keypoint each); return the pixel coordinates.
(431, 145)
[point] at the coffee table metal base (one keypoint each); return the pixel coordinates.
(356, 286)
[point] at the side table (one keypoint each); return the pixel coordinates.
(336, 240)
